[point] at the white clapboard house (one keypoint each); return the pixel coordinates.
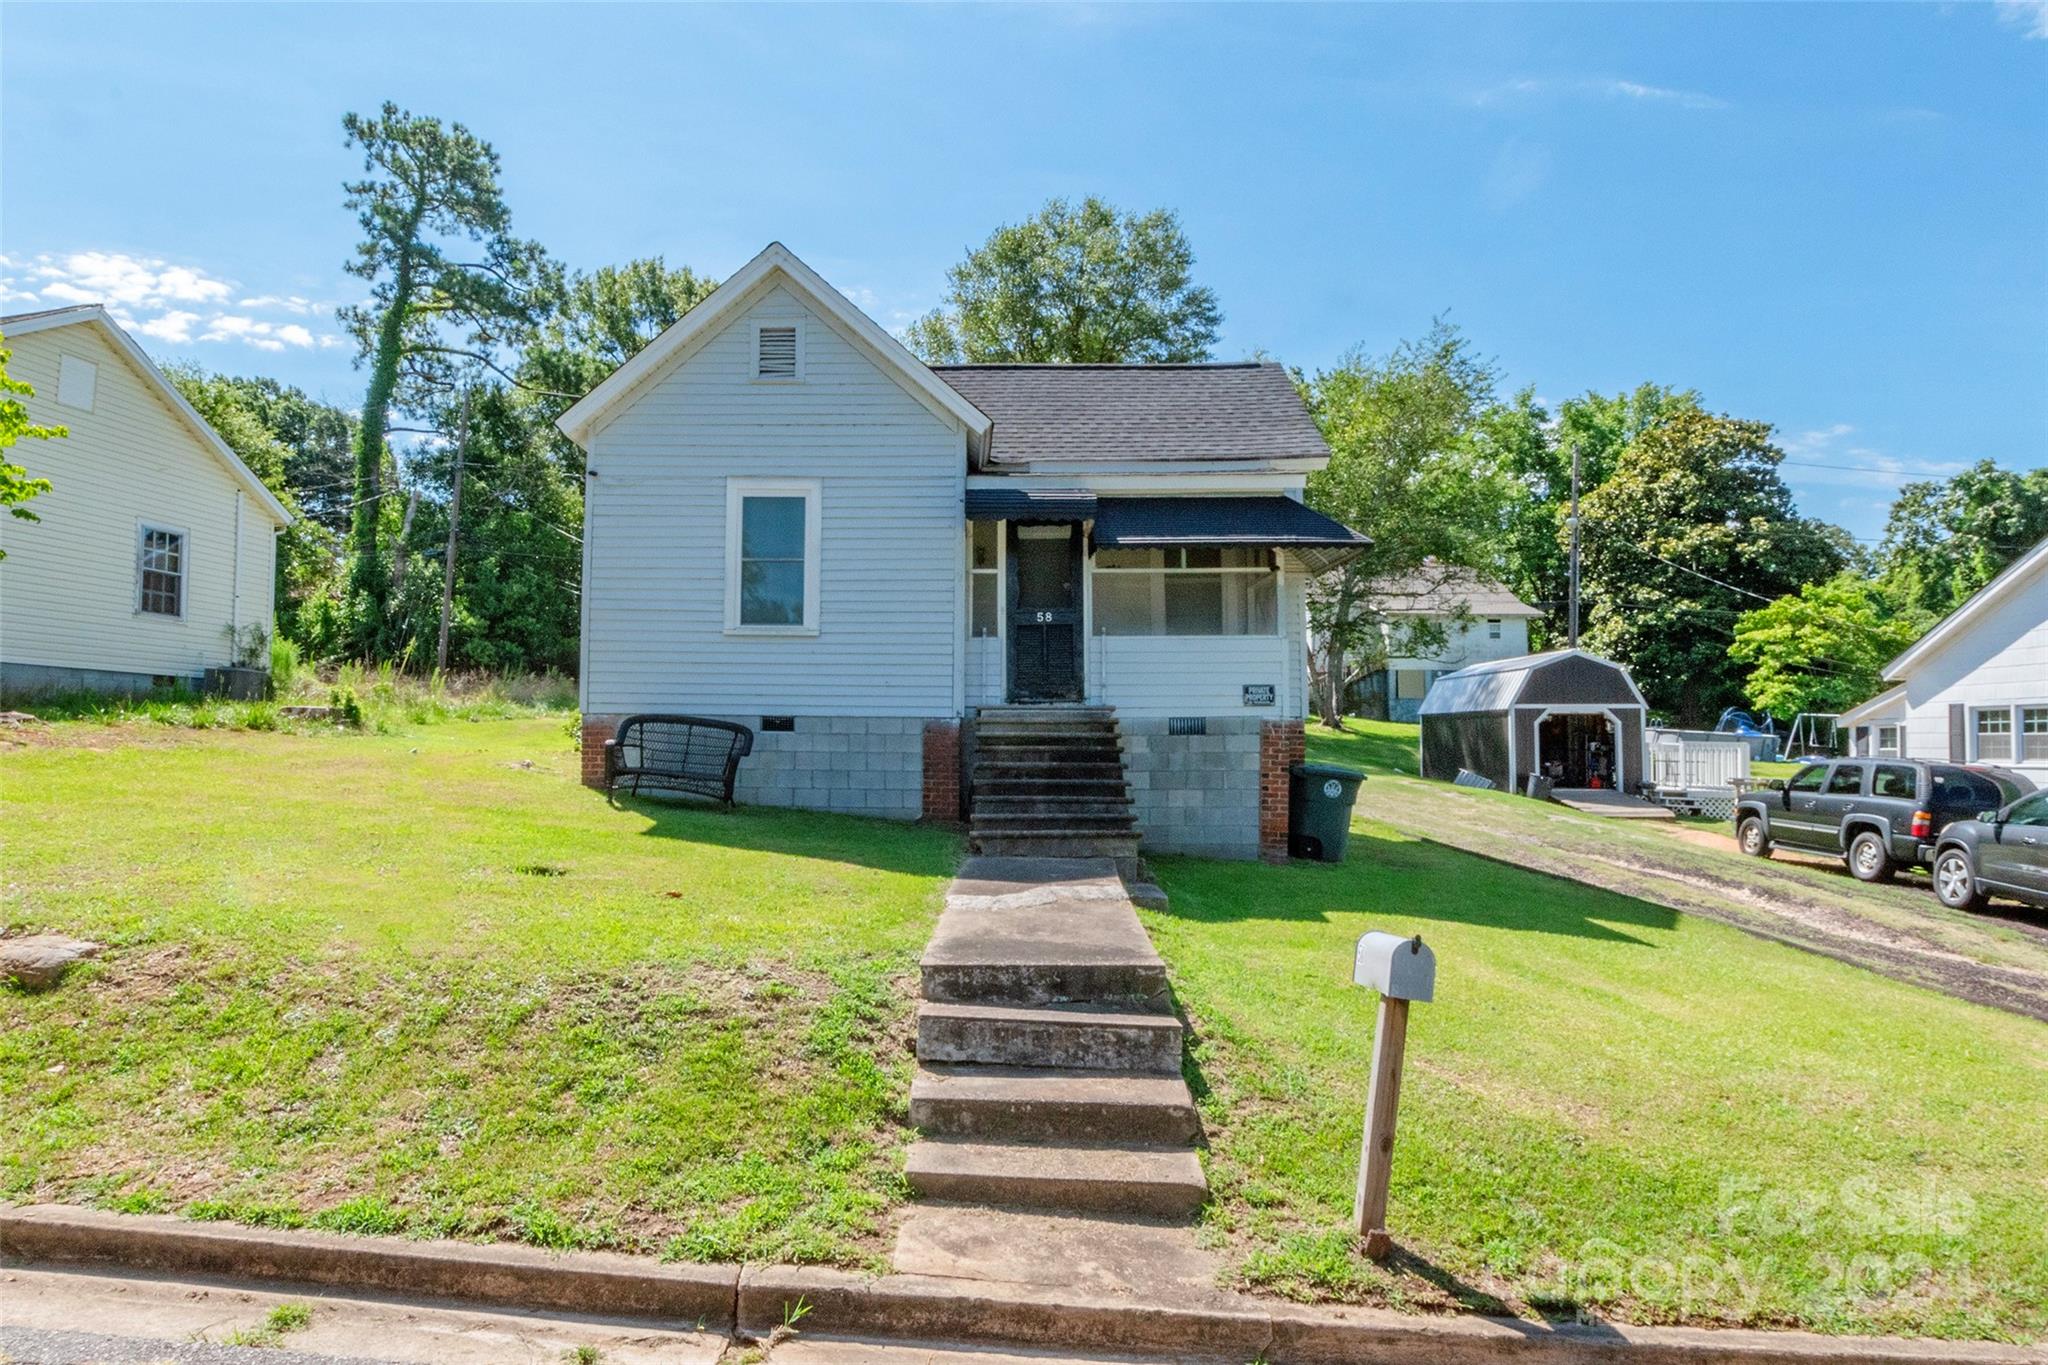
(1479, 620)
(892, 572)
(1975, 688)
(154, 553)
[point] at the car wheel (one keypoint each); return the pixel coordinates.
(1752, 838)
(1955, 885)
(1869, 859)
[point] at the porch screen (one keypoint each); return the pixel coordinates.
(1187, 590)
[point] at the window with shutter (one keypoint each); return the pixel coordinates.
(775, 352)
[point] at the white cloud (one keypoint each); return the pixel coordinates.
(1598, 87)
(174, 326)
(289, 303)
(2029, 16)
(175, 304)
(1826, 456)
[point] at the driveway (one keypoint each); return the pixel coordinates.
(1999, 958)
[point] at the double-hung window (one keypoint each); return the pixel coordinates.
(771, 549)
(1994, 734)
(2034, 734)
(160, 572)
(1888, 742)
(1186, 591)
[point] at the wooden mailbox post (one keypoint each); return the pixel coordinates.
(1401, 970)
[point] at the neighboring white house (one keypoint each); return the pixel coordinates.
(1975, 688)
(792, 522)
(1482, 621)
(155, 549)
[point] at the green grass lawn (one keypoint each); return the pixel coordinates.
(422, 981)
(1610, 1106)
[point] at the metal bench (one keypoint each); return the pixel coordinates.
(677, 753)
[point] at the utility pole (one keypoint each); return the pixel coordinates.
(454, 522)
(1573, 522)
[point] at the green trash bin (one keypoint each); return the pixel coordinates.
(1319, 804)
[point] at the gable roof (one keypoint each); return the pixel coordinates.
(1435, 589)
(1117, 414)
(776, 263)
(92, 314)
(1494, 685)
(1967, 615)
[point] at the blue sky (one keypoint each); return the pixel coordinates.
(1830, 217)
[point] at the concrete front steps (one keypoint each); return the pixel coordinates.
(1048, 781)
(1049, 1061)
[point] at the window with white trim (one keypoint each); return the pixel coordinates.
(2034, 734)
(778, 351)
(160, 572)
(984, 579)
(771, 569)
(1190, 590)
(1994, 734)
(1888, 742)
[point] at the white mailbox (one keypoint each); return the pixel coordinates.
(1401, 968)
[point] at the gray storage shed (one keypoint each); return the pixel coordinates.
(1571, 716)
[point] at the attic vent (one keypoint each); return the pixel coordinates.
(775, 356)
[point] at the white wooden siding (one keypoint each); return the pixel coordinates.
(893, 480)
(2000, 660)
(1469, 643)
(68, 584)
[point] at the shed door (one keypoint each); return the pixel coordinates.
(1045, 612)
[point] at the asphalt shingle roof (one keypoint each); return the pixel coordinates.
(1052, 414)
(1434, 590)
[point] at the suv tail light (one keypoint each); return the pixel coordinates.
(1923, 824)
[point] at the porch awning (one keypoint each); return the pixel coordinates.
(1029, 504)
(1272, 522)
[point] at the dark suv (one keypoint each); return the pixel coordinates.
(2004, 852)
(1880, 814)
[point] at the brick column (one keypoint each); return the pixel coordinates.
(596, 730)
(942, 771)
(1282, 744)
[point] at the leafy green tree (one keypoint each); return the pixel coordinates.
(1946, 539)
(16, 487)
(429, 197)
(1538, 453)
(258, 418)
(1822, 648)
(1076, 283)
(1693, 527)
(600, 321)
(1410, 466)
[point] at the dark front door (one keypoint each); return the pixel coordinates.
(1045, 612)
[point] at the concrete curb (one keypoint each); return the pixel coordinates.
(756, 1300)
(513, 1276)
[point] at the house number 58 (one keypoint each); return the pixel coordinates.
(1042, 617)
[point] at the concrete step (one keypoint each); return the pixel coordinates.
(1090, 788)
(1119, 847)
(1024, 931)
(1084, 1037)
(1045, 711)
(1047, 770)
(1160, 1182)
(1060, 804)
(1001, 755)
(1060, 821)
(1047, 1104)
